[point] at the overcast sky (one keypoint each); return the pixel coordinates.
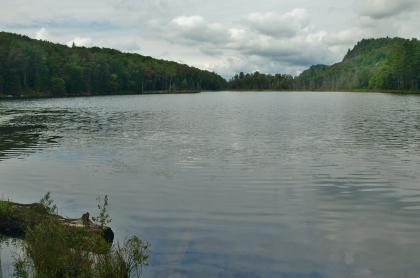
(225, 36)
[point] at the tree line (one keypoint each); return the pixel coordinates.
(373, 64)
(31, 67)
(260, 81)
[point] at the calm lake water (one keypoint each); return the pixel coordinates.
(232, 184)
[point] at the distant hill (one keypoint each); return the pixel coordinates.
(31, 67)
(373, 64)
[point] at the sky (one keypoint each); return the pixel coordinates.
(225, 36)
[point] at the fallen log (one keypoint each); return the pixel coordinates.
(16, 219)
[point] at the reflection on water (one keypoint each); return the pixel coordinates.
(233, 184)
(23, 131)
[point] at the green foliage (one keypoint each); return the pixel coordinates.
(48, 252)
(38, 68)
(15, 219)
(373, 64)
(51, 249)
(48, 203)
(122, 261)
(54, 250)
(58, 86)
(259, 81)
(29, 67)
(5, 208)
(103, 217)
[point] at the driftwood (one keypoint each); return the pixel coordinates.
(16, 219)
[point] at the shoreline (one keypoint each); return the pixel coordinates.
(329, 91)
(184, 92)
(40, 96)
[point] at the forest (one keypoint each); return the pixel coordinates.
(259, 81)
(387, 64)
(31, 67)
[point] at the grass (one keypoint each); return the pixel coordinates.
(50, 249)
(5, 208)
(53, 250)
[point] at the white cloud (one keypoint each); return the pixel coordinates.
(195, 29)
(188, 22)
(42, 34)
(279, 25)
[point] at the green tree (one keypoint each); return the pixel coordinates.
(58, 86)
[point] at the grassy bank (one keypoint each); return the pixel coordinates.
(52, 249)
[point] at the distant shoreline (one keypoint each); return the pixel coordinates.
(329, 91)
(183, 92)
(41, 96)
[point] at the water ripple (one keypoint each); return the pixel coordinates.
(233, 184)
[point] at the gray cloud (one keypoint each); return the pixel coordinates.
(197, 29)
(273, 42)
(278, 25)
(380, 9)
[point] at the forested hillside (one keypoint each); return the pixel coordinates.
(373, 64)
(31, 67)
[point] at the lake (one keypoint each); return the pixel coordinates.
(232, 184)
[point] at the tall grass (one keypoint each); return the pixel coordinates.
(50, 250)
(5, 208)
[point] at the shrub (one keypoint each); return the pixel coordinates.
(5, 208)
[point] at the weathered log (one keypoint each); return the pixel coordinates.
(16, 219)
